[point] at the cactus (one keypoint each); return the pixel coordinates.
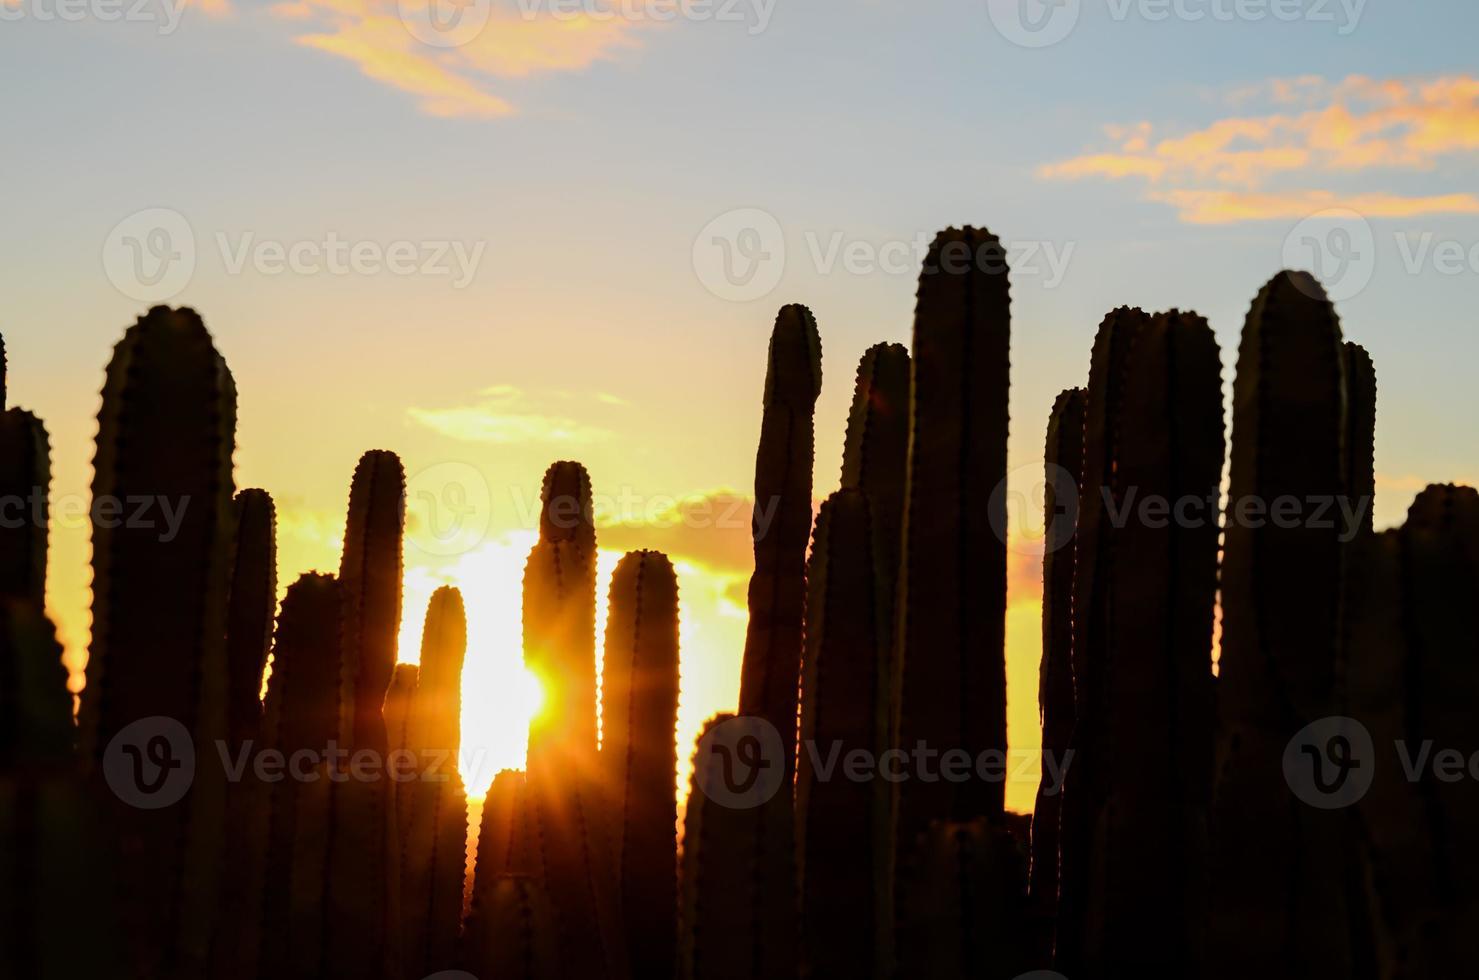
(639, 755)
(56, 900)
(876, 452)
(364, 887)
(434, 831)
(560, 620)
(505, 850)
(25, 475)
(1280, 902)
(300, 719)
(1360, 432)
(166, 433)
(397, 712)
(951, 657)
(737, 918)
(783, 465)
(251, 604)
(844, 827)
(517, 938)
(1136, 798)
(1063, 462)
(967, 919)
(572, 850)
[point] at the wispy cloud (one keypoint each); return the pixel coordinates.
(504, 415)
(1238, 168)
(456, 80)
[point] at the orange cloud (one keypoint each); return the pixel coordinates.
(449, 67)
(1222, 172)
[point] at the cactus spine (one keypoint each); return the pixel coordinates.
(25, 475)
(1279, 899)
(639, 755)
(1063, 473)
(434, 833)
(166, 432)
(952, 614)
(1144, 590)
(364, 887)
(844, 830)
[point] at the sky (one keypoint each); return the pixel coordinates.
(494, 234)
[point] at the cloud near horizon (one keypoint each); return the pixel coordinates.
(517, 40)
(1344, 130)
(504, 415)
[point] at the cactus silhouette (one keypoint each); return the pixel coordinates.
(639, 755)
(25, 475)
(876, 452)
(505, 850)
(1360, 434)
(1279, 900)
(737, 914)
(249, 613)
(57, 898)
(572, 855)
(967, 919)
(397, 713)
(844, 826)
(166, 433)
(1136, 799)
(434, 828)
(517, 938)
(952, 589)
(364, 887)
(1063, 465)
(300, 718)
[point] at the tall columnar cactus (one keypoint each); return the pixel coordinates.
(783, 469)
(952, 615)
(967, 916)
(300, 719)
(560, 621)
(434, 834)
(559, 647)
(639, 754)
(57, 900)
(1063, 471)
(504, 849)
(397, 712)
(252, 602)
(1145, 584)
(737, 916)
(1360, 434)
(1279, 900)
(166, 433)
(517, 938)
(25, 476)
(364, 886)
(876, 454)
(844, 825)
